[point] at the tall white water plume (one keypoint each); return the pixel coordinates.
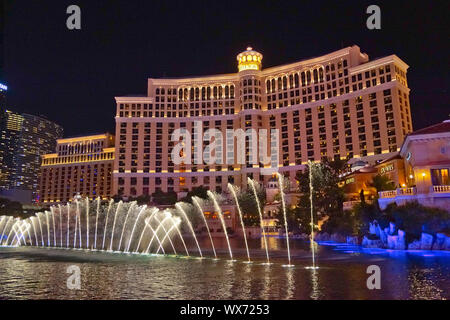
(199, 207)
(133, 204)
(87, 223)
(40, 227)
(105, 226)
(76, 226)
(165, 234)
(1, 225)
(222, 221)
(13, 227)
(153, 211)
(48, 227)
(13, 230)
(176, 225)
(233, 192)
(155, 232)
(283, 203)
(134, 227)
(96, 222)
(252, 183)
(180, 208)
(7, 221)
(60, 226)
(114, 225)
(33, 224)
(68, 225)
(311, 189)
(52, 209)
(27, 232)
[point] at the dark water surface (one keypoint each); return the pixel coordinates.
(40, 273)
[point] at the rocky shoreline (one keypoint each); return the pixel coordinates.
(390, 238)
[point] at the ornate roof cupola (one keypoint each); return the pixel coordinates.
(249, 60)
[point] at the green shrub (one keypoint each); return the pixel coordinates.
(414, 219)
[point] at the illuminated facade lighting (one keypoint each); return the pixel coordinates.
(338, 105)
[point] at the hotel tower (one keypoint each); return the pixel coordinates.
(339, 105)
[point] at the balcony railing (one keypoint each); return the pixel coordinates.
(388, 194)
(399, 192)
(440, 189)
(406, 191)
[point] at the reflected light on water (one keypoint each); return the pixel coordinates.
(315, 293)
(290, 287)
(30, 273)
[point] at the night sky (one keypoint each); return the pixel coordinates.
(72, 77)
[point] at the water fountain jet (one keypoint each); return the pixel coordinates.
(197, 204)
(222, 221)
(283, 203)
(311, 188)
(134, 227)
(180, 208)
(252, 183)
(233, 191)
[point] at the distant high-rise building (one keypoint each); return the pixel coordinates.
(24, 139)
(38, 137)
(10, 131)
(3, 89)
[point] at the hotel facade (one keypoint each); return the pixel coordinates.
(339, 105)
(81, 165)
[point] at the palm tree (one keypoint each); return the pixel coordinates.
(382, 183)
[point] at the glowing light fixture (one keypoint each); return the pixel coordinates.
(249, 60)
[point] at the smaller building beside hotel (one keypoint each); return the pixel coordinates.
(419, 172)
(81, 165)
(426, 157)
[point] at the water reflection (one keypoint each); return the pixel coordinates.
(315, 292)
(423, 286)
(41, 274)
(290, 287)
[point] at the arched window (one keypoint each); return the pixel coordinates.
(268, 86)
(273, 85)
(308, 77)
(197, 93)
(180, 94)
(321, 74)
(303, 79)
(163, 91)
(285, 82)
(208, 93)
(232, 91)
(227, 92)
(191, 94)
(157, 90)
(220, 92)
(203, 93)
(215, 92)
(279, 84)
(296, 80)
(291, 81)
(316, 76)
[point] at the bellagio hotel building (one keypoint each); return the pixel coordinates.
(339, 105)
